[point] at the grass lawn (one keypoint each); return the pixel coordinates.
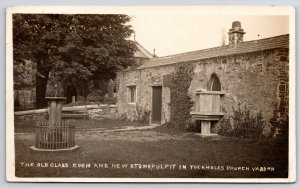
(152, 153)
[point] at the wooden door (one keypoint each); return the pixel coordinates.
(156, 104)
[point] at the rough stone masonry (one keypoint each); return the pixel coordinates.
(255, 73)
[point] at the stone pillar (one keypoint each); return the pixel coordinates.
(58, 112)
(52, 109)
(55, 110)
(73, 99)
(205, 127)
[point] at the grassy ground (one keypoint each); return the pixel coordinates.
(100, 154)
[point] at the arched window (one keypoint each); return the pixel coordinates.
(214, 83)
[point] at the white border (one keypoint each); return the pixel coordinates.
(163, 10)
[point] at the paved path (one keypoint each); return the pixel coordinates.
(128, 128)
(106, 129)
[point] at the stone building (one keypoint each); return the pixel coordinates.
(254, 73)
(141, 55)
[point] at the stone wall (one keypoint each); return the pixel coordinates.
(24, 99)
(258, 80)
(33, 116)
(282, 59)
(143, 80)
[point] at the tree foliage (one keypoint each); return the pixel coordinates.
(86, 47)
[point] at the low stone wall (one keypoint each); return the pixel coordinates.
(103, 111)
(94, 111)
(33, 116)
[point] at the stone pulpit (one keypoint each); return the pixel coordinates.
(208, 108)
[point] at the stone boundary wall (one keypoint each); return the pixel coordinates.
(93, 111)
(33, 116)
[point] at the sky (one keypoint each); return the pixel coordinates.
(172, 34)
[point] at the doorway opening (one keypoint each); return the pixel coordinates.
(156, 104)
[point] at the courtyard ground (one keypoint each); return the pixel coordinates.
(159, 152)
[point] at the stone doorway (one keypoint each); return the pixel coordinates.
(156, 104)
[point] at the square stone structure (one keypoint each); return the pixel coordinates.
(255, 73)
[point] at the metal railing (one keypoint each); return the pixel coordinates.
(55, 137)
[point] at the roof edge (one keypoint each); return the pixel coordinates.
(218, 47)
(210, 49)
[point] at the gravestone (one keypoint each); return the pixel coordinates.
(110, 89)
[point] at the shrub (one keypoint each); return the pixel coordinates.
(225, 127)
(244, 124)
(95, 96)
(142, 115)
(122, 117)
(193, 125)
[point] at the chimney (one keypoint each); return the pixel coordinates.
(154, 55)
(236, 34)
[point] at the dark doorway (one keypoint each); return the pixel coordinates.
(156, 104)
(71, 91)
(214, 83)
